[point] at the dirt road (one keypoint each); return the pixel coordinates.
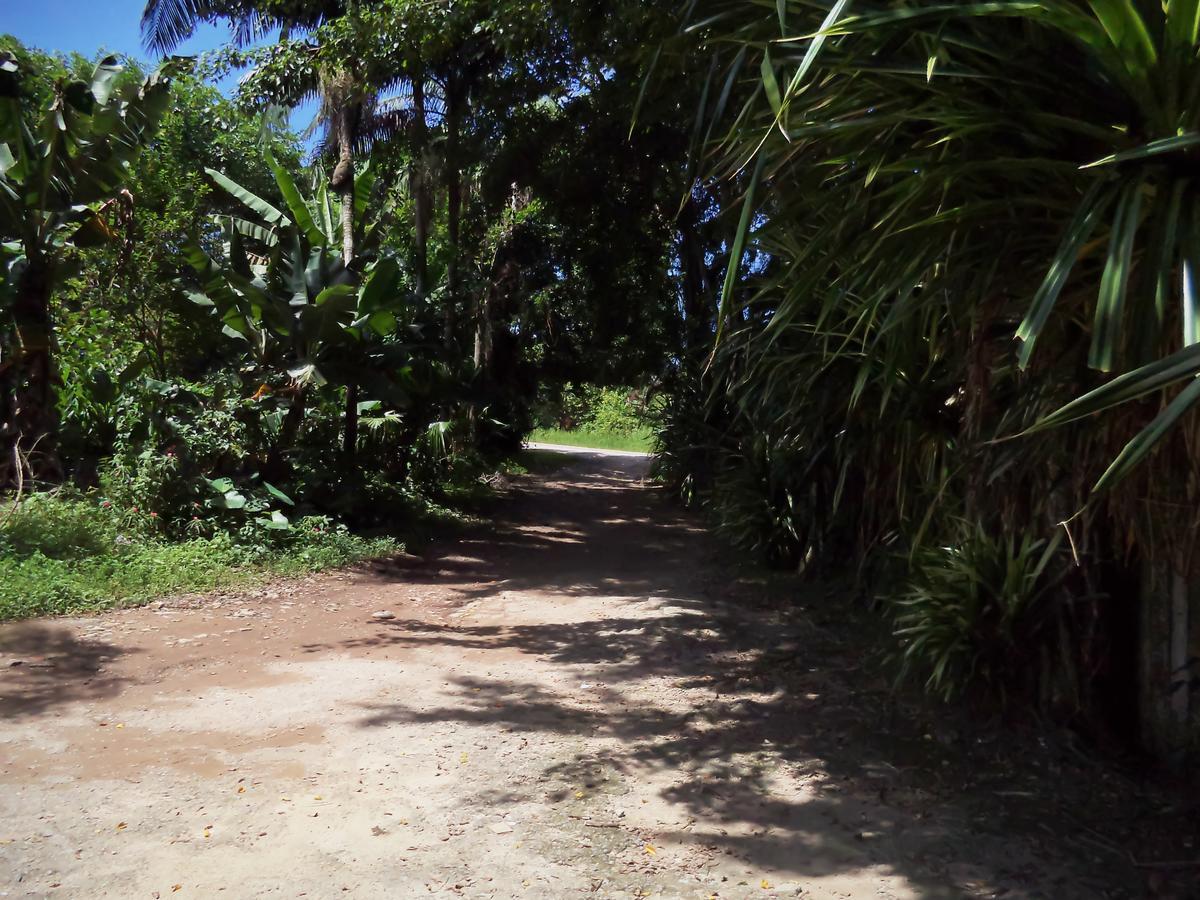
(568, 702)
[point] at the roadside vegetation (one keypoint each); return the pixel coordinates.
(64, 556)
(602, 418)
(953, 354)
(230, 353)
(641, 441)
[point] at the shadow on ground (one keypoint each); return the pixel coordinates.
(785, 699)
(46, 666)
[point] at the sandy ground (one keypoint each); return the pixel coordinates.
(563, 703)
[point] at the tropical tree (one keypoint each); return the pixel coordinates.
(62, 168)
(282, 288)
(324, 50)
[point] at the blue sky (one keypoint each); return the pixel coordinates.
(88, 26)
(113, 26)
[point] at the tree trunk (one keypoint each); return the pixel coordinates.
(350, 438)
(293, 420)
(453, 204)
(289, 430)
(1170, 664)
(697, 319)
(483, 331)
(348, 226)
(418, 178)
(344, 182)
(28, 404)
(345, 187)
(505, 274)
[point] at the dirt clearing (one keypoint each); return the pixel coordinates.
(563, 703)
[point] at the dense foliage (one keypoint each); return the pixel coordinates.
(209, 326)
(943, 245)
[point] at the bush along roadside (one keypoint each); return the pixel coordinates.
(66, 554)
(587, 415)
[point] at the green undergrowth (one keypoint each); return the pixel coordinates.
(640, 440)
(64, 552)
(62, 556)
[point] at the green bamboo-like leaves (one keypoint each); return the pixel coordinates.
(738, 247)
(1139, 448)
(1153, 148)
(837, 12)
(1087, 217)
(1044, 171)
(1128, 32)
(1157, 375)
(1183, 23)
(774, 95)
(1114, 283)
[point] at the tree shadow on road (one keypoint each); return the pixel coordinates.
(875, 793)
(45, 667)
(782, 743)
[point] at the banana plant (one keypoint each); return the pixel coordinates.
(62, 169)
(281, 287)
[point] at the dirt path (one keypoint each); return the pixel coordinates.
(561, 704)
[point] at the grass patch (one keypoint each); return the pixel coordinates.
(61, 555)
(39, 585)
(641, 440)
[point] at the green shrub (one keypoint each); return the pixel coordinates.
(587, 407)
(56, 526)
(981, 613)
(60, 555)
(757, 503)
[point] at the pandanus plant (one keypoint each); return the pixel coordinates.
(967, 218)
(282, 288)
(1076, 121)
